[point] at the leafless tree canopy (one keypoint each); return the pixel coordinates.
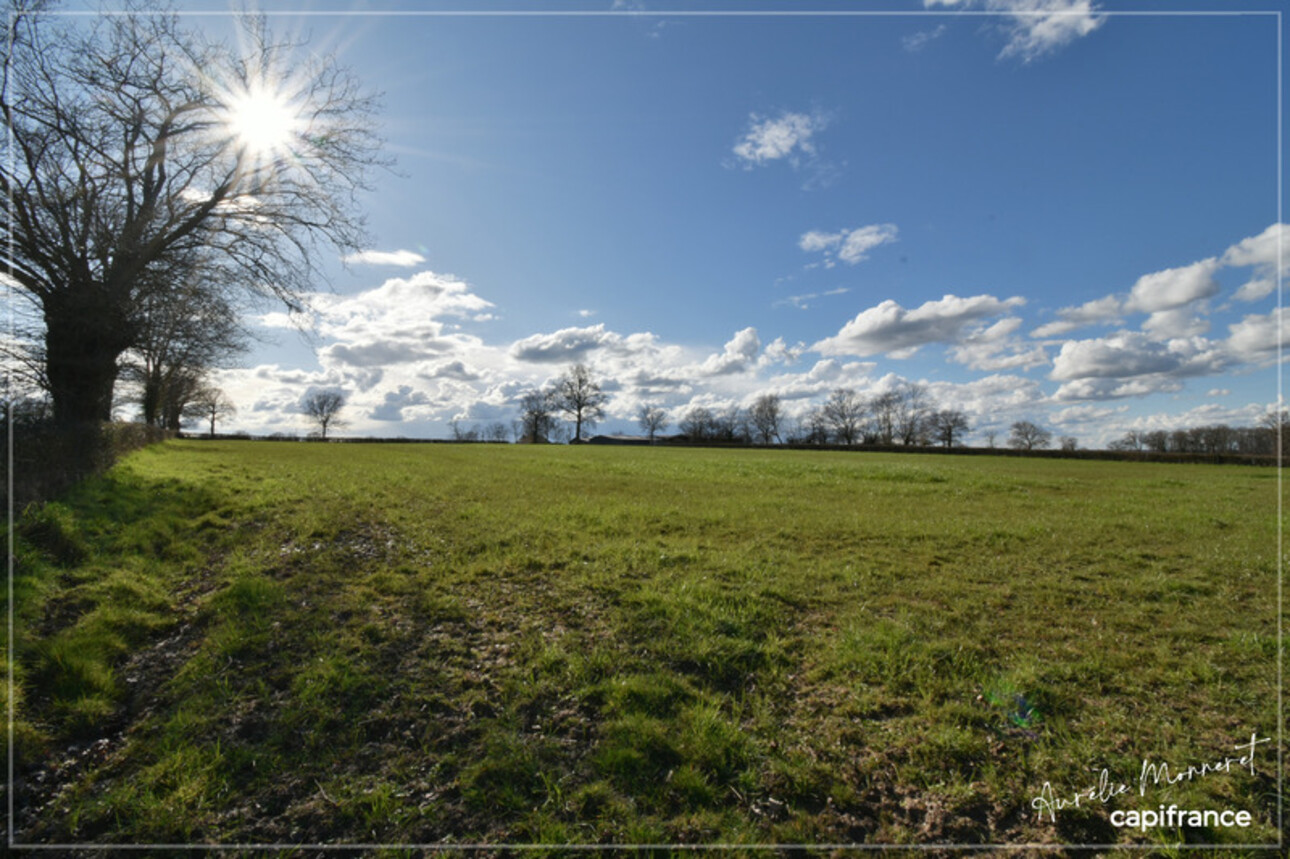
(579, 396)
(843, 414)
(323, 408)
(652, 419)
(210, 404)
(124, 166)
(537, 422)
(765, 416)
(948, 426)
(1029, 436)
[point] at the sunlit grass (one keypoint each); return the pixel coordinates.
(404, 644)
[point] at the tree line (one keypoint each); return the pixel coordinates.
(903, 415)
(1212, 439)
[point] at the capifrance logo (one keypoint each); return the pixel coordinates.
(1173, 816)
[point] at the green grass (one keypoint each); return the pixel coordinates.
(300, 643)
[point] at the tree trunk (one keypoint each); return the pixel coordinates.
(153, 396)
(85, 334)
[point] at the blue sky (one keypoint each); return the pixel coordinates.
(1069, 216)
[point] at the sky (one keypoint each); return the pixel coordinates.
(1044, 210)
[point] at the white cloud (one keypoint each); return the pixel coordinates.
(567, 344)
(1128, 354)
(1179, 322)
(892, 329)
(1035, 27)
(451, 370)
(397, 322)
(737, 356)
(1266, 252)
(1100, 310)
(785, 136)
(994, 347)
(1260, 250)
(850, 246)
(1174, 287)
(406, 259)
(1115, 389)
(917, 41)
(392, 407)
(1255, 290)
(1174, 298)
(1255, 338)
(1039, 27)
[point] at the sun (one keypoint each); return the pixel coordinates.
(262, 123)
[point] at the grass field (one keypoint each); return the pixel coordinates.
(243, 642)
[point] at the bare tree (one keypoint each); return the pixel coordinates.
(732, 425)
(580, 397)
(1069, 442)
(460, 433)
(184, 331)
(1131, 440)
(652, 419)
(813, 428)
(1029, 436)
(948, 425)
(537, 423)
(496, 431)
(323, 408)
(912, 406)
(211, 404)
(699, 424)
(843, 413)
(765, 417)
(885, 408)
(133, 154)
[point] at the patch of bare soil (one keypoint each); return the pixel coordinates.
(39, 785)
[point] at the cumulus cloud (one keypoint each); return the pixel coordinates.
(567, 344)
(995, 347)
(1174, 287)
(381, 354)
(1114, 389)
(890, 328)
(391, 408)
(1260, 250)
(850, 246)
(1255, 290)
(771, 139)
(1256, 338)
(736, 357)
(1163, 294)
(1127, 354)
(1179, 322)
(406, 259)
(1266, 253)
(1102, 310)
(398, 322)
(452, 370)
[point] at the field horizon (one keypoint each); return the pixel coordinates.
(225, 642)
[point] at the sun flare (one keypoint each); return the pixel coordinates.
(262, 122)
